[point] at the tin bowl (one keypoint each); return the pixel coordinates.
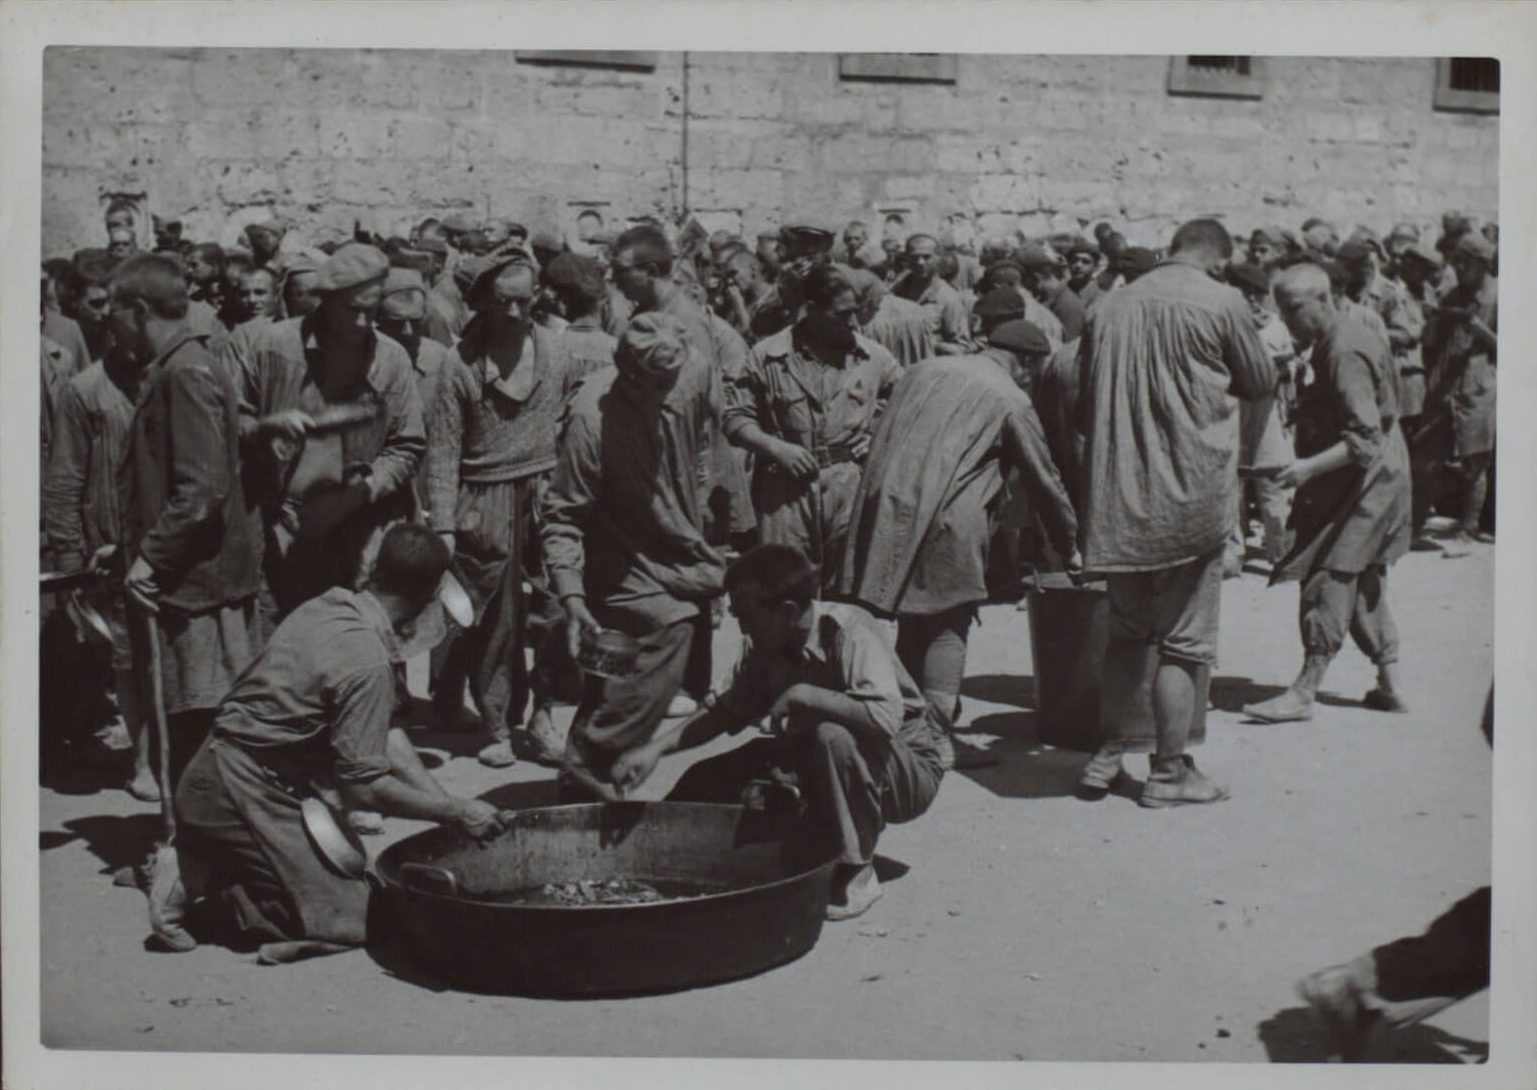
(608, 654)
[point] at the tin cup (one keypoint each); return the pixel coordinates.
(606, 653)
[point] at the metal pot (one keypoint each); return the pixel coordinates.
(745, 897)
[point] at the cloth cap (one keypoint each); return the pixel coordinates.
(653, 343)
(431, 246)
(1249, 278)
(352, 264)
(802, 240)
(1000, 303)
(459, 223)
(1020, 336)
(1271, 234)
(473, 274)
(545, 239)
(573, 271)
(1474, 245)
(1405, 231)
(409, 258)
(1080, 245)
(405, 295)
(302, 261)
(1368, 238)
(1353, 252)
(1418, 251)
(277, 226)
(1138, 260)
(1037, 257)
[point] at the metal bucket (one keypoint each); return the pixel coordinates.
(742, 898)
(1069, 631)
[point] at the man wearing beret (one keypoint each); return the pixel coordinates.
(491, 441)
(1163, 361)
(1009, 274)
(1269, 248)
(921, 283)
(403, 318)
(1456, 433)
(623, 533)
(801, 249)
(326, 483)
(642, 268)
(917, 550)
(806, 405)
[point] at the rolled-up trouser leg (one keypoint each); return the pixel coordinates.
(1325, 610)
(1371, 624)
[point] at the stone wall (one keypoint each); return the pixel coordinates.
(222, 137)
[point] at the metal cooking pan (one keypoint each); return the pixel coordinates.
(462, 911)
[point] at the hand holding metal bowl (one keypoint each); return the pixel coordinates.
(606, 653)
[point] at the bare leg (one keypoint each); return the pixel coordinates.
(1173, 704)
(405, 763)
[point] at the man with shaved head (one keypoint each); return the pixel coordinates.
(1162, 362)
(922, 284)
(1351, 515)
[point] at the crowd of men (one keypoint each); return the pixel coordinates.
(281, 461)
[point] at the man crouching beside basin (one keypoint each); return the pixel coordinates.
(843, 716)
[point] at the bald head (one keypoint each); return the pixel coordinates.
(1302, 281)
(1306, 303)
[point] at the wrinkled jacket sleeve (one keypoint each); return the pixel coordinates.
(445, 437)
(199, 467)
(572, 493)
(745, 397)
(64, 479)
(1252, 371)
(1024, 446)
(1360, 418)
(405, 440)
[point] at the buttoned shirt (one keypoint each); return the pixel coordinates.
(622, 516)
(790, 393)
(942, 303)
(845, 653)
(324, 683)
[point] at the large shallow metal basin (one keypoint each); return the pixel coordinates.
(457, 907)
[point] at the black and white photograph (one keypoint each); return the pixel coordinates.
(770, 552)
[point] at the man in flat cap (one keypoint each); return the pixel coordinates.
(1163, 361)
(920, 282)
(331, 427)
(491, 443)
(403, 318)
(1046, 279)
(802, 248)
(1269, 248)
(624, 532)
(1320, 238)
(299, 291)
(1455, 440)
(1400, 238)
(265, 239)
(954, 428)
(1351, 512)
(806, 406)
(1009, 274)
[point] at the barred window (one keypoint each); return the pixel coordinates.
(1468, 84)
(1217, 77)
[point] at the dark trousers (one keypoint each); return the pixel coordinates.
(1413, 978)
(853, 786)
(932, 649)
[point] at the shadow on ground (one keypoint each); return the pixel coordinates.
(1027, 769)
(1013, 689)
(1232, 694)
(1294, 1036)
(117, 840)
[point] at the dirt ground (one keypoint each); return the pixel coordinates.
(1028, 925)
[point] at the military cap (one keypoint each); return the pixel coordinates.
(1005, 302)
(801, 240)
